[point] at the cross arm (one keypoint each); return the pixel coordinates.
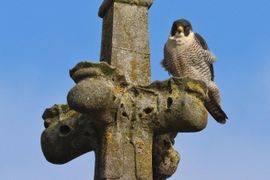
(173, 105)
(125, 124)
(68, 134)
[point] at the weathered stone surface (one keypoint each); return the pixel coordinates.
(122, 121)
(108, 3)
(68, 134)
(113, 109)
(139, 112)
(166, 158)
(125, 41)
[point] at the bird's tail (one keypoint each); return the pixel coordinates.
(215, 110)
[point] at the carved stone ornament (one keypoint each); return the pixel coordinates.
(116, 112)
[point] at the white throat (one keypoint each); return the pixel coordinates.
(181, 39)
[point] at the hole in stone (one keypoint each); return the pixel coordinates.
(148, 110)
(140, 115)
(124, 114)
(166, 143)
(87, 133)
(64, 129)
(122, 105)
(114, 98)
(112, 79)
(46, 124)
(135, 92)
(169, 102)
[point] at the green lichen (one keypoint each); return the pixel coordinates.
(124, 114)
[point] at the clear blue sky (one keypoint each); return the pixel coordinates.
(41, 40)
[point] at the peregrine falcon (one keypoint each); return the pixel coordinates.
(186, 54)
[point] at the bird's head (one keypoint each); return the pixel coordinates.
(181, 27)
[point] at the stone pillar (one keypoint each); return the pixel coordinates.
(125, 38)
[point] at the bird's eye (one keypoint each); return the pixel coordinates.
(187, 31)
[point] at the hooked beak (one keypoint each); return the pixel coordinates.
(180, 29)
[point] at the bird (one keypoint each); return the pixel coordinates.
(186, 54)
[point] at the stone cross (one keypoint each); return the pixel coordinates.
(116, 112)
